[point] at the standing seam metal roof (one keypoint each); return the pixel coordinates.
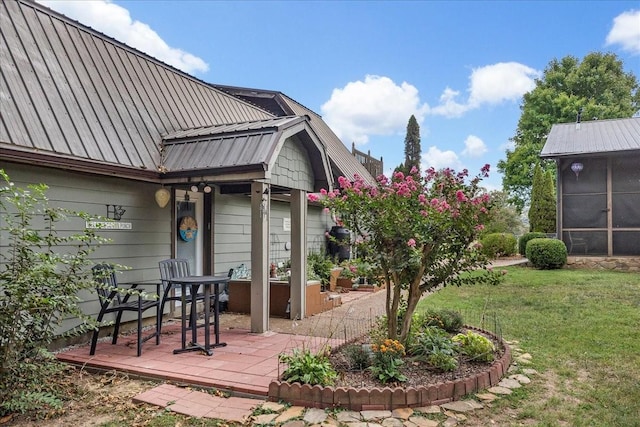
(592, 137)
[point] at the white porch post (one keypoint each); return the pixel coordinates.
(298, 253)
(259, 257)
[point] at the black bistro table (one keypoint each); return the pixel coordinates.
(194, 282)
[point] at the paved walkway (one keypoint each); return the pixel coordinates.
(356, 311)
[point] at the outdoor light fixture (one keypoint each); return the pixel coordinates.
(115, 212)
(577, 167)
(162, 197)
(203, 187)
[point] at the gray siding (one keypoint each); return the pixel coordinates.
(140, 248)
(293, 168)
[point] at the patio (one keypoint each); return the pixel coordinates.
(249, 361)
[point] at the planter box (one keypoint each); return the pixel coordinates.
(280, 291)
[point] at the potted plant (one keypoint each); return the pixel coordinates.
(347, 275)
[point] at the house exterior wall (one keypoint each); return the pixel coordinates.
(140, 248)
(293, 168)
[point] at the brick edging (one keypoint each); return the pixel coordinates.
(386, 398)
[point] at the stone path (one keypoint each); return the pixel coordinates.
(254, 412)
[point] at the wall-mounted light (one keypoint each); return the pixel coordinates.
(162, 197)
(577, 167)
(202, 187)
(115, 212)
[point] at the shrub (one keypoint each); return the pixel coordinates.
(319, 268)
(546, 254)
(522, 243)
(498, 244)
(308, 368)
(442, 361)
(449, 320)
(359, 358)
(429, 341)
(475, 346)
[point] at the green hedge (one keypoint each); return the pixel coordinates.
(522, 243)
(498, 244)
(546, 254)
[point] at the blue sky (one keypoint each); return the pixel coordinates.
(461, 67)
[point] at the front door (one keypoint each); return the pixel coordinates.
(189, 235)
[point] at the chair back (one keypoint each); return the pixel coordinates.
(106, 282)
(172, 268)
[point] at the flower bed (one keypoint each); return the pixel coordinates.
(389, 398)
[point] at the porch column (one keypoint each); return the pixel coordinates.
(259, 257)
(298, 253)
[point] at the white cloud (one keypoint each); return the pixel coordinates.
(491, 84)
(626, 32)
(438, 159)
(116, 22)
(375, 106)
(474, 147)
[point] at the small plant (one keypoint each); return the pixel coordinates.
(387, 360)
(547, 254)
(475, 346)
(349, 270)
(430, 341)
(449, 320)
(359, 357)
(442, 361)
(308, 368)
(319, 267)
(522, 243)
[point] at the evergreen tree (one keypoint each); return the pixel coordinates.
(542, 212)
(412, 150)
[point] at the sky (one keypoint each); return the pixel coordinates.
(461, 67)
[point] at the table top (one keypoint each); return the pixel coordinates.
(193, 280)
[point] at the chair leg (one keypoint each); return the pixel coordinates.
(116, 328)
(94, 337)
(139, 325)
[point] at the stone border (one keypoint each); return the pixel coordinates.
(386, 398)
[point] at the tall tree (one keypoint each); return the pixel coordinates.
(412, 150)
(598, 85)
(542, 211)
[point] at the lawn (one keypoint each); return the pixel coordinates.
(582, 328)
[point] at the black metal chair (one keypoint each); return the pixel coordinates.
(171, 269)
(111, 301)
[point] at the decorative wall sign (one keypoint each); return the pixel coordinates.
(108, 225)
(188, 228)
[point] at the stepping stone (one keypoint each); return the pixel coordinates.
(375, 415)
(290, 413)
(294, 423)
(450, 422)
(348, 417)
(422, 422)
(392, 422)
(509, 383)
(315, 416)
(520, 378)
(433, 409)
(529, 371)
(403, 413)
(460, 406)
(500, 390)
(487, 397)
(264, 418)
(272, 406)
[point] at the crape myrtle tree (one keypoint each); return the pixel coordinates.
(597, 85)
(418, 229)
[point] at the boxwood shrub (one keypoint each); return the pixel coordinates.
(546, 254)
(498, 244)
(522, 243)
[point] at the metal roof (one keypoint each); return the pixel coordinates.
(593, 137)
(236, 144)
(343, 161)
(70, 92)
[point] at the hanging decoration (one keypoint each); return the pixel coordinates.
(162, 197)
(577, 167)
(188, 228)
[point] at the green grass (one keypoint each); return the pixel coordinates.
(582, 328)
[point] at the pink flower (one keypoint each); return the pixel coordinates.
(323, 191)
(411, 242)
(461, 196)
(326, 210)
(313, 197)
(398, 175)
(414, 170)
(479, 227)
